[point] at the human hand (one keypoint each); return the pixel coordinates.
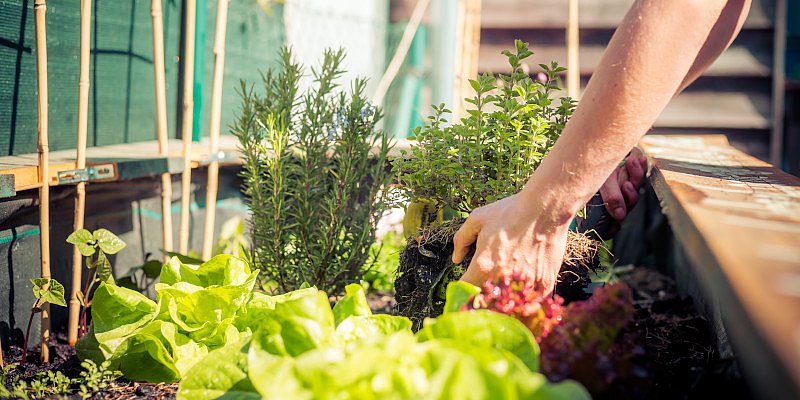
(620, 191)
(514, 234)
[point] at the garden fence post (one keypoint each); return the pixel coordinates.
(80, 188)
(213, 135)
(161, 122)
(40, 9)
(573, 52)
(186, 132)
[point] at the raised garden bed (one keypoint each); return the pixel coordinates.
(678, 356)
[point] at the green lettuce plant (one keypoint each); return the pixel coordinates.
(490, 153)
(314, 176)
(212, 332)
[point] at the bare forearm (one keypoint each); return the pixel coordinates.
(661, 46)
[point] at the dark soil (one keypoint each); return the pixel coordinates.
(426, 269)
(65, 361)
(680, 357)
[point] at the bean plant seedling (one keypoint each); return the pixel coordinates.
(46, 291)
(94, 246)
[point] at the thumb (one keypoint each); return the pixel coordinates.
(464, 238)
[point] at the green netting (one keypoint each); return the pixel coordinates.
(121, 92)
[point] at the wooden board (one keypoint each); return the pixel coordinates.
(594, 14)
(749, 56)
(132, 160)
(738, 219)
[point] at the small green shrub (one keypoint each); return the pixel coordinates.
(491, 153)
(314, 186)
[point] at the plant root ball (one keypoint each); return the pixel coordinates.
(426, 269)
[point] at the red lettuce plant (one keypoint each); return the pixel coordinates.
(585, 340)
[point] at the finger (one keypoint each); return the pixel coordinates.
(547, 283)
(464, 238)
(630, 194)
(635, 172)
(612, 196)
(475, 274)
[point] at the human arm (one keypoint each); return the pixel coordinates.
(659, 48)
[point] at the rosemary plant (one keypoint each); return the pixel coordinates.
(314, 175)
(493, 151)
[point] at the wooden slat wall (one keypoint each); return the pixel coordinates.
(734, 96)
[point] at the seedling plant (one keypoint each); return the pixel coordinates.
(95, 246)
(46, 291)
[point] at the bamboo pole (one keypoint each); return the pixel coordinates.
(188, 105)
(213, 135)
(40, 9)
(161, 122)
(573, 52)
(80, 189)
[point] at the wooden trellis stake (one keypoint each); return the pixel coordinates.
(188, 106)
(40, 9)
(213, 134)
(80, 188)
(573, 52)
(161, 122)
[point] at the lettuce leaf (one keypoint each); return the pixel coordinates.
(486, 329)
(220, 375)
(117, 313)
(353, 303)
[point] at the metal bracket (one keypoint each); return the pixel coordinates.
(93, 173)
(219, 156)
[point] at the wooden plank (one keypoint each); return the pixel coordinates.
(595, 14)
(749, 56)
(738, 219)
(131, 160)
(724, 110)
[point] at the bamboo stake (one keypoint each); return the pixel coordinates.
(573, 52)
(161, 122)
(80, 189)
(188, 105)
(213, 135)
(40, 9)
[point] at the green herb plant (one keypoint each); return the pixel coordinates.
(95, 246)
(46, 291)
(314, 175)
(492, 152)
(95, 378)
(47, 384)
